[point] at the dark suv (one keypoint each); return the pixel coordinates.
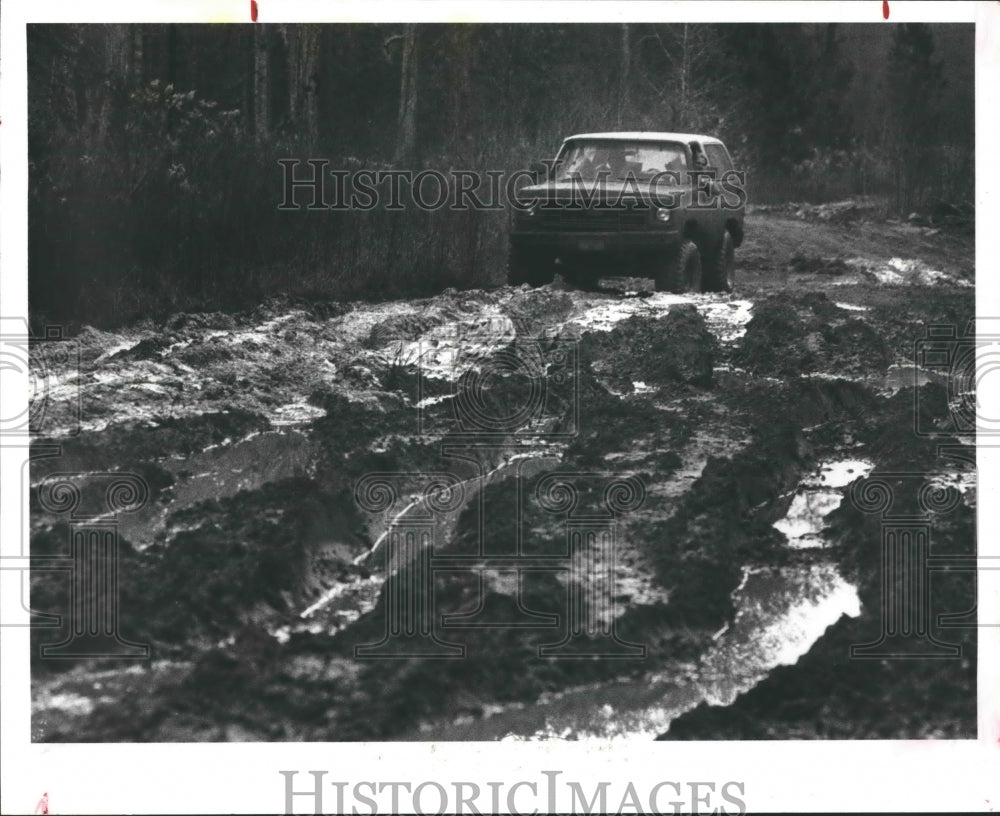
(663, 205)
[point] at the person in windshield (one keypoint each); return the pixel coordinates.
(615, 162)
(586, 162)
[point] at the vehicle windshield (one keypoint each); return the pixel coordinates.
(616, 159)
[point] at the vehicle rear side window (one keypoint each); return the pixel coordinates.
(718, 158)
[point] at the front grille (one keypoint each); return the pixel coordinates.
(594, 219)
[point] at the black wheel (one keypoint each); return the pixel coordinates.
(681, 271)
(522, 267)
(723, 272)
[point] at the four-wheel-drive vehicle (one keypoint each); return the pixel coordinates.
(667, 206)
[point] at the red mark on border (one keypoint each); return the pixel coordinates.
(885, 10)
(253, 10)
(43, 804)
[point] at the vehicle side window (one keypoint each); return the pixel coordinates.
(718, 158)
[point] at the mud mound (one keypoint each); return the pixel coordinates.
(328, 310)
(902, 328)
(250, 559)
(535, 310)
(92, 342)
(827, 695)
(808, 334)
(813, 264)
(125, 446)
(891, 434)
(722, 522)
(675, 348)
(148, 348)
(201, 320)
(352, 424)
(854, 347)
(405, 328)
(203, 353)
(500, 663)
(246, 689)
(909, 272)
(838, 212)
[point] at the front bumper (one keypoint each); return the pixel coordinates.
(574, 243)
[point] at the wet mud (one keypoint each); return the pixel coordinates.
(662, 540)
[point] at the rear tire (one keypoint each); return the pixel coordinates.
(522, 267)
(681, 271)
(723, 273)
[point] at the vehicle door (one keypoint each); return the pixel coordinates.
(706, 190)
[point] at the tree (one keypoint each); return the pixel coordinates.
(624, 74)
(406, 120)
(261, 83)
(915, 86)
(302, 50)
(829, 125)
(684, 67)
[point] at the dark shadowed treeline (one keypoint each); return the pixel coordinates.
(154, 149)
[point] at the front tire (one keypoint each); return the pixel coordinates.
(522, 267)
(681, 271)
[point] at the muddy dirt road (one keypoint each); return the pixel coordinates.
(521, 514)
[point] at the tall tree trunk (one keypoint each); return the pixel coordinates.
(307, 62)
(623, 75)
(406, 139)
(290, 36)
(463, 47)
(302, 49)
(173, 54)
(118, 54)
(174, 57)
(685, 69)
(138, 56)
(261, 85)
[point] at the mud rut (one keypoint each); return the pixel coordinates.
(256, 566)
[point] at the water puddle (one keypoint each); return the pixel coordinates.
(818, 495)
(221, 471)
(964, 481)
(726, 318)
(898, 377)
(905, 272)
(781, 612)
(346, 601)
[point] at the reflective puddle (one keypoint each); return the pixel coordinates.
(781, 612)
(817, 496)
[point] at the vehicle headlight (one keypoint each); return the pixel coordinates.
(663, 214)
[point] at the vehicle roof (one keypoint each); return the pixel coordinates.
(647, 136)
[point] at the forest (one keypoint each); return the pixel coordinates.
(154, 149)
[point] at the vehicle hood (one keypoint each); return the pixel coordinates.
(664, 192)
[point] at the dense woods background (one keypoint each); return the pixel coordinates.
(154, 149)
